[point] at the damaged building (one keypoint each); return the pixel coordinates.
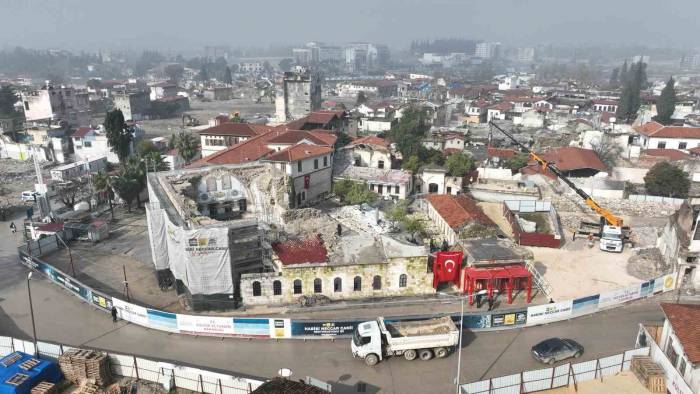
(207, 226)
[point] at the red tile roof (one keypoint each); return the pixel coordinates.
(572, 158)
(498, 152)
(502, 106)
(605, 116)
(449, 151)
(236, 129)
(299, 152)
(310, 250)
(296, 136)
(458, 211)
(249, 150)
(81, 132)
(695, 151)
(673, 154)
(50, 227)
(323, 118)
(657, 130)
(371, 140)
(684, 321)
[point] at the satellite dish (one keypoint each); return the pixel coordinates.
(285, 372)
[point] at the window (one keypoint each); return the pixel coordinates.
(681, 366)
(671, 353)
(449, 190)
(682, 145)
(226, 182)
(357, 162)
(211, 184)
(325, 161)
(277, 287)
(432, 188)
(377, 283)
(337, 285)
(661, 145)
(380, 189)
(318, 285)
(315, 164)
(87, 144)
(357, 284)
(26, 105)
(396, 190)
(257, 291)
(243, 205)
(380, 164)
(297, 286)
(299, 166)
(371, 186)
(403, 278)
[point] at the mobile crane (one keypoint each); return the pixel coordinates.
(610, 230)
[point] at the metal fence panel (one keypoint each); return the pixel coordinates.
(509, 384)
(122, 365)
(610, 365)
(5, 346)
(23, 346)
(186, 379)
(148, 370)
(585, 371)
(537, 380)
(561, 375)
(476, 387)
(49, 350)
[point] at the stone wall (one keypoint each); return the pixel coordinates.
(418, 281)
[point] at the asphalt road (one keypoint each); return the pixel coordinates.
(63, 318)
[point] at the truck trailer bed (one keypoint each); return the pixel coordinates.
(441, 325)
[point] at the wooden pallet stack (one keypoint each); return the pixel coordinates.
(649, 373)
(79, 364)
(44, 388)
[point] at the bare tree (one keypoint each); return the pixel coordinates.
(607, 149)
(72, 192)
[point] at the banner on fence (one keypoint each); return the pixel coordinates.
(280, 328)
(323, 328)
(585, 305)
(160, 320)
(131, 313)
(619, 296)
(509, 319)
(542, 313)
(205, 325)
(57, 276)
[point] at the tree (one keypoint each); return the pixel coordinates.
(285, 64)
(615, 77)
(607, 150)
(144, 147)
(414, 225)
(666, 104)
(7, 100)
(635, 79)
(431, 156)
(623, 73)
(154, 161)
(412, 164)
(127, 188)
(187, 145)
(342, 140)
(459, 164)
(665, 179)
(102, 183)
(131, 181)
(409, 132)
(119, 136)
(516, 162)
(361, 98)
(228, 78)
(353, 193)
(68, 193)
(174, 72)
(397, 213)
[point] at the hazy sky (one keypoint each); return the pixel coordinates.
(177, 24)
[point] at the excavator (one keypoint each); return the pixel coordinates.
(610, 229)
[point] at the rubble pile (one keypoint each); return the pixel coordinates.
(620, 207)
(17, 176)
(647, 263)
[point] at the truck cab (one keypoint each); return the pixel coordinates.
(611, 239)
(366, 340)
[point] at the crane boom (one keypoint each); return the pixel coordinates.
(609, 217)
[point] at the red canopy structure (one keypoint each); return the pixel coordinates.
(504, 278)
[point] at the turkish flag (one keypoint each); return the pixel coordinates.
(447, 267)
(307, 181)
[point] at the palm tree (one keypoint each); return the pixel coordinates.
(102, 183)
(135, 170)
(154, 161)
(186, 145)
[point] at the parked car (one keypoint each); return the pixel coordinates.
(552, 350)
(30, 195)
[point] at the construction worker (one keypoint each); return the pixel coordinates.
(590, 240)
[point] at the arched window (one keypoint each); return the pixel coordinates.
(297, 286)
(277, 287)
(337, 285)
(357, 284)
(257, 291)
(432, 188)
(403, 278)
(318, 285)
(377, 282)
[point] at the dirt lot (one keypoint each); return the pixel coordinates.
(205, 110)
(622, 383)
(17, 176)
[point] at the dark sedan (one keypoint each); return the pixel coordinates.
(552, 350)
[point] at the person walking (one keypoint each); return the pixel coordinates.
(114, 314)
(13, 228)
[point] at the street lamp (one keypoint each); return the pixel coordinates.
(31, 312)
(461, 331)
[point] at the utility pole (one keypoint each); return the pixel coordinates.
(31, 312)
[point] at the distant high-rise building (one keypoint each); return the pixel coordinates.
(303, 56)
(526, 54)
(487, 50)
(300, 94)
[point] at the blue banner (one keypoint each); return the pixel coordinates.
(162, 320)
(585, 304)
(251, 327)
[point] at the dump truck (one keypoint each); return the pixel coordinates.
(377, 339)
